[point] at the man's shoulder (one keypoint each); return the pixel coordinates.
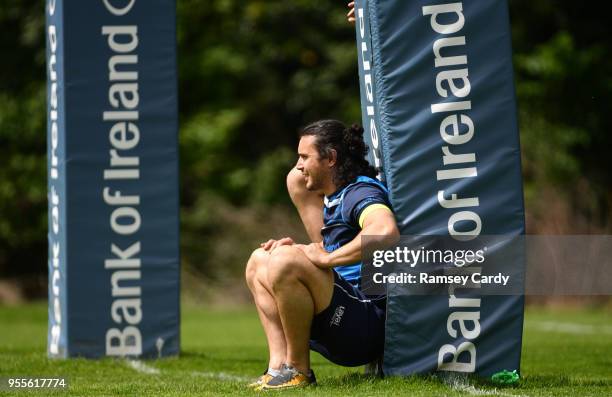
(365, 186)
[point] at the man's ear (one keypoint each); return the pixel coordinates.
(333, 157)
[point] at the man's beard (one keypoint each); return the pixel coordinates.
(313, 184)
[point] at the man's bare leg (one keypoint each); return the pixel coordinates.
(257, 280)
(308, 204)
(310, 208)
(301, 290)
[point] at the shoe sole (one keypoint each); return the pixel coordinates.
(266, 388)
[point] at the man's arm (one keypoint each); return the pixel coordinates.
(378, 222)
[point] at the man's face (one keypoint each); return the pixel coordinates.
(316, 170)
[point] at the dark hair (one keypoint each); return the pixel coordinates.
(349, 145)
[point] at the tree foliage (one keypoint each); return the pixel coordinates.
(252, 72)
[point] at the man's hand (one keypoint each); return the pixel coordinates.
(315, 253)
(271, 244)
(351, 14)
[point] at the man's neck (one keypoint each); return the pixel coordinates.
(329, 189)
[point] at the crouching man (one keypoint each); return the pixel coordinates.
(308, 296)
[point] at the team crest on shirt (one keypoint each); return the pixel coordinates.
(337, 317)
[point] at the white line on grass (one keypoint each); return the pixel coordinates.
(571, 328)
(483, 392)
(221, 376)
(146, 369)
(462, 385)
(143, 368)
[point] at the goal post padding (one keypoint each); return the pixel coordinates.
(426, 67)
(112, 178)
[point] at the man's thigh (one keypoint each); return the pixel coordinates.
(320, 282)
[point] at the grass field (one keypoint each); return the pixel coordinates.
(565, 353)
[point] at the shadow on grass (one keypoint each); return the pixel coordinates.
(192, 354)
(563, 380)
(220, 359)
(534, 382)
(353, 379)
(468, 382)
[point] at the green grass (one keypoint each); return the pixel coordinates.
(222, 349)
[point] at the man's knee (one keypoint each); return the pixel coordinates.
(258, 258)
(283, 266)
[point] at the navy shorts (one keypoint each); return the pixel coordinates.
(351, 330)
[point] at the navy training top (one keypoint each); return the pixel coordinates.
(341, 218)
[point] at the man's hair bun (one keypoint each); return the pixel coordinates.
(353, 141)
